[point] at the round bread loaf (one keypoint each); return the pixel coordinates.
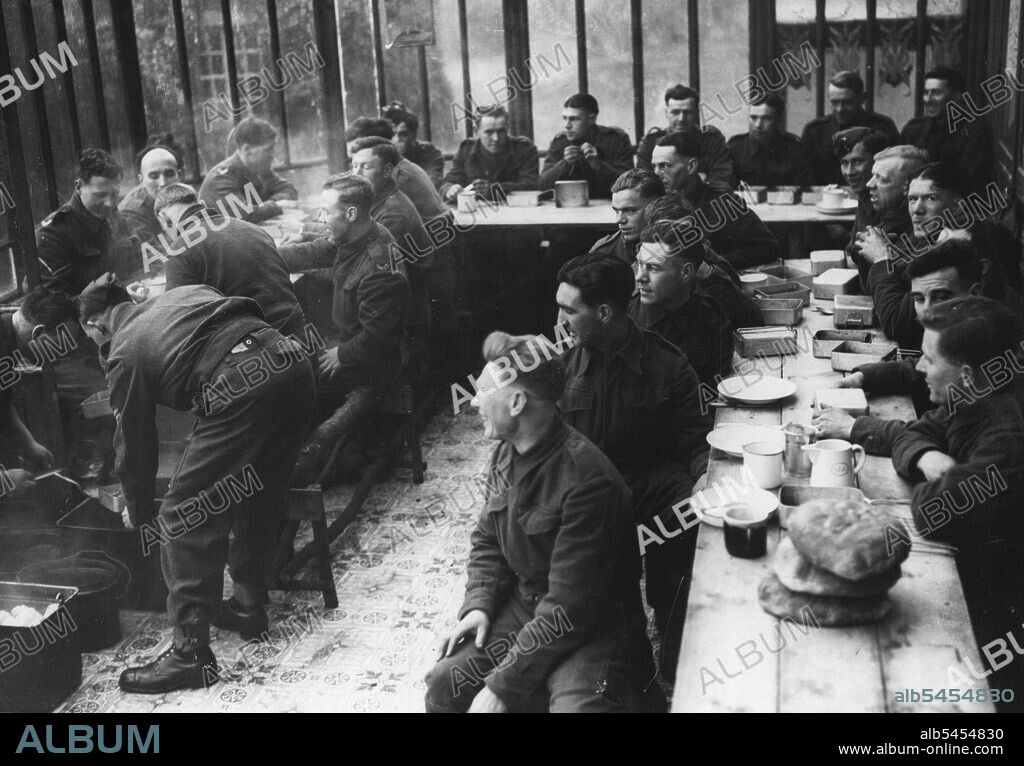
(775, 598)
(799, 575)
(848, 538)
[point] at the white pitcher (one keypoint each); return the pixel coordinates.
(833, 463)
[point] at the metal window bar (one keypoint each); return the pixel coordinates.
(89, 25)
(869, 54)
(919, 59)
(820, 42)
(581, 45)
(60, 21)
(421, 59)
(186, 82)
(467, 95)
(28, 33)
(693, 38)
(275, 52)
(378, 52)
(123, 17)
(325, 23)
(637, 43)
(229, 57)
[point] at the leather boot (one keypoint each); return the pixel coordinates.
(250, 622)
(174, 669)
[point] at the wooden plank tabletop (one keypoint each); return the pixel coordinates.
(735, 657)
(599, 214)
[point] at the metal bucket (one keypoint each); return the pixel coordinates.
(572, 194)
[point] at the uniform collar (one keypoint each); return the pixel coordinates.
(86, 218)
(522, 464)
(630, 352)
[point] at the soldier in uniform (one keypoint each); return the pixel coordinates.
(410, 177)
(846, 95)
(767, 155)
(83, 239)
(668, 301)
(370, 291)
(375, 160)
(586, 151)
(421, 153)
(682, 108)
(252, 392)
(160, 163)
(235, 257)
(731, 228)
(964, 143)
(632, 191)
(636, 397)
(494, 163)
(552, 618)
(254, 140)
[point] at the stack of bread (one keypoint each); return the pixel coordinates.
(840, 559)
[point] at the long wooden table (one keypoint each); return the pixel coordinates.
(731, 661)
(599, 214)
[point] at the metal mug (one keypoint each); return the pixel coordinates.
(572, 194)
(796, 462)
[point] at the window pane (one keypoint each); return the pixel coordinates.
(204, 39)
(552, 23)
(254, 58)
(84, 88)
(723, 27)
(666, 61)
(303, 97)
(166, 111)
(113, 88)
(444, 68)
(609, 62)
(360, 84)
(62, 139)
(486, 51)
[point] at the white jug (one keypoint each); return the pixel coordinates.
(833, 463)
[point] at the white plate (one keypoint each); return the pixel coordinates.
(731, 437)
(763, 391)
(848, 206)
(712, 502)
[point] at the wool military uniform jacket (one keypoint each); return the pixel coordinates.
(968, 148)
(75, 247)
(640, 405)
(614, 157)
(371, 299)
(136, 209)
(556, 531)
(780, 162)
(229, 177)
(714, 160)
(237, 258)
(731, 228)
(515, 169)
(980, 496)
(428, 157)
(817, 141)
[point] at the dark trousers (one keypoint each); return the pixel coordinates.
(596, 677)
(233, 482)
(669, 564)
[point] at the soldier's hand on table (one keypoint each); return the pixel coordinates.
(329, 363)
(572, 153)
(934, 464)
(475, 621)
(856, 380)
(37, 457)
(480, 186)
(291, 238)
(126, 519)
(452, 193)
(833, 423)
(487, 702)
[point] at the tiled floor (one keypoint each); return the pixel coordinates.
(400, 574)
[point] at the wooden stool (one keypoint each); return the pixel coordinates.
(305, 504)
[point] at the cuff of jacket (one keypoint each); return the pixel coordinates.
(478, 599)
(868, 431)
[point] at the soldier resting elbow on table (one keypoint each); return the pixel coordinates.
(966, 459)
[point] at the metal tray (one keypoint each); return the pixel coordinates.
(850, 354)
(826, 340)
(780, 311)
(789, 274)
(785, 290)
(769, 341)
